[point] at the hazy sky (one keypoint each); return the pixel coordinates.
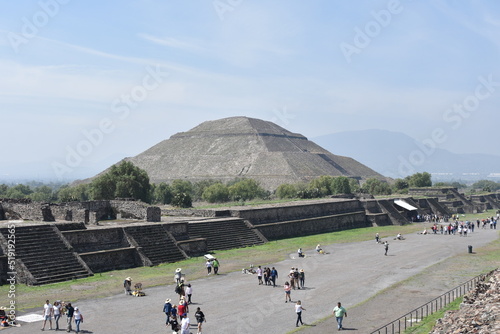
(86, 83)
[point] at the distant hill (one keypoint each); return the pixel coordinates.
(396, 155)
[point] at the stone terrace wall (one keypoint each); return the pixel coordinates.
(96, 239)
(289, 229)
(137, 210)
(299, 210)
(29, 211)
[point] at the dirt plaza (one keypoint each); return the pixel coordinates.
(356, 274)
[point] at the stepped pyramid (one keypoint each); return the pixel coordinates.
(243, 147)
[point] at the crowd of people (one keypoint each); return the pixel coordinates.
(57, 310)
(177, 317)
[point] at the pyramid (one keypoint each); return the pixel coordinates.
(243, 147)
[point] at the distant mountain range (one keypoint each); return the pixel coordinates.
(397, 155)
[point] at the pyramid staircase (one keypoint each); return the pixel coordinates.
(225, 233)
(45, 256)
(155, 243)
(395, 215)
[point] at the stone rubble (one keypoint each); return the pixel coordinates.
(479, 312)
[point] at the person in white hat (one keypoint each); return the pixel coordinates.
(167, 308)
(127, 286)
(78, 319)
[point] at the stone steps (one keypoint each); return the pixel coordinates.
(156, 243)
(225, 234)
(46, 256)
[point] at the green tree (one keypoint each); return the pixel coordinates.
(182, 200)
(286, 191)
(419, 180)
(123, 180)
(162, 193)
(246, 189)
(486, 185)
(400, 185)
(3, 190)
(200, 186)
(76, 193)
(216, 193)
(321, 186)
(376, 187)
(340, 185)
(182, 186)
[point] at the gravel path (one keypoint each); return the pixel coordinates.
(351, 273)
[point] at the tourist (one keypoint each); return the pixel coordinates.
(179, 289)
(181, 309)
(173, 312)
(189, 292)
(287, 292)
(127, 286)
(216, 264)
(300, 253)
(302, 278)
(78, 319)
(48, 311)
(291, 278)
(178, 275)
(259, 275)
(167, 309)
(318, 249)
(274, 276)
(386, 247)
(69, 314)
(298, 310)
(377, 238)
(200, 318)
(57, 313)
(185, 324)
(340, 312)
(208, 264)
(174, 325)
(265, 273)
(296, 278)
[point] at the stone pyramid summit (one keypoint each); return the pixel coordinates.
(243, 147)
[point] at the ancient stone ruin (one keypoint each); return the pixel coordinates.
(479, 313)
(98, 236)
(243, 147)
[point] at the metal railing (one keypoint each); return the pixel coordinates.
(413, 317)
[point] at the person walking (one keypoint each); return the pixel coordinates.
(386, 247)
(167, 309)
(377, 238)
(298, 310)
(200, 318)
(185, 324)
(48, 311)
(189, 292)
(216, 264)
(78, 319)
(69, 314)
(288, 290)
(57, 313)
(339, 312)
(208, 264)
